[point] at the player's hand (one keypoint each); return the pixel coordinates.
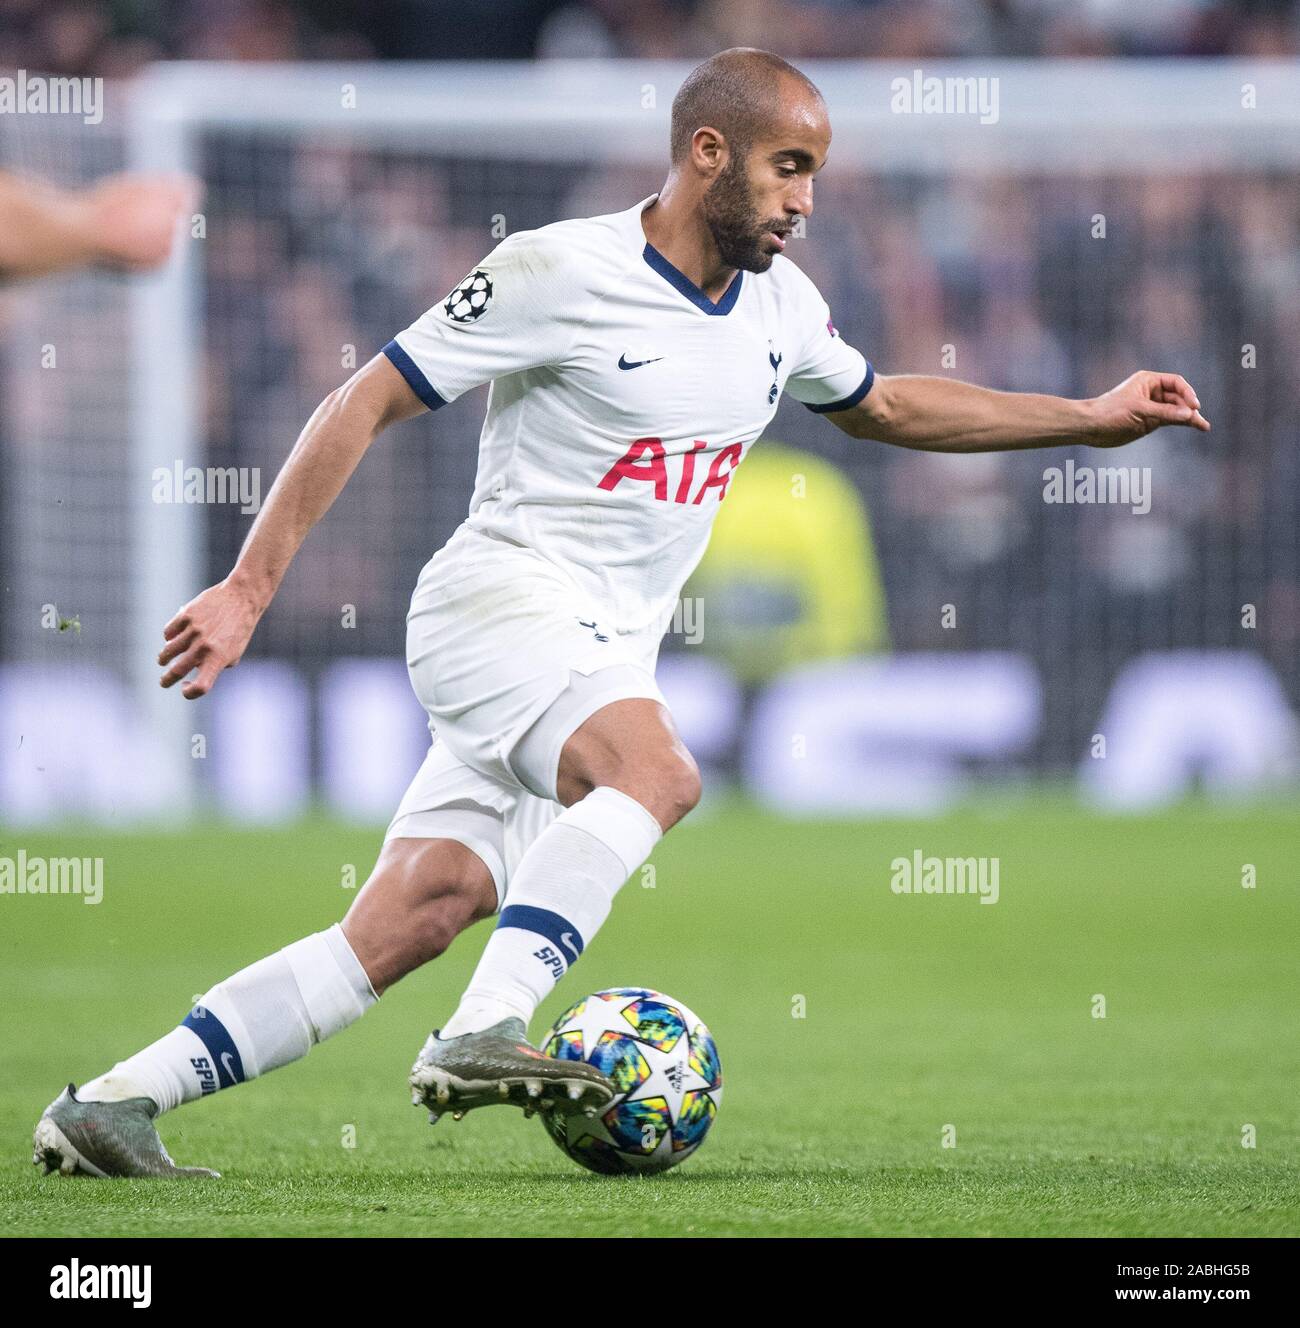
(132, 219)
(1143, 402)
(210, 633)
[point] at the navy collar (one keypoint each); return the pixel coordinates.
(688, 288)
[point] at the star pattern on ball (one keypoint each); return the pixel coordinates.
(666, 1072)
(671, 1076)
(658, 1074)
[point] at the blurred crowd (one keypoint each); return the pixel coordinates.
(112, 38)
(326, 247)
(318, 253)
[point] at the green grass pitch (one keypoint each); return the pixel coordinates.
(920, 1013)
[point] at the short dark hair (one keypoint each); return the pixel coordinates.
(734, 92)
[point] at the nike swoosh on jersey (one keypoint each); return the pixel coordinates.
(625, 363)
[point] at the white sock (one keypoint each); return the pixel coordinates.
(560, 895)
(267, 1015)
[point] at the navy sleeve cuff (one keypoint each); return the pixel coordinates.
(415, 380)
(851, 400)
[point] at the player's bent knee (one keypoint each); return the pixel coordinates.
(631, 746)
(667, 785)
(422, 894)
(685, 786)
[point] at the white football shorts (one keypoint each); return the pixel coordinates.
(508, 658)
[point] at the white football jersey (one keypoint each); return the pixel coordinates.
(623, 399)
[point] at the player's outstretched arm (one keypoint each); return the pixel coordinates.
(943, 415)
(213, 630)
(126, 222)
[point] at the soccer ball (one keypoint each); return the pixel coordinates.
(665, 1066)
(468, 301)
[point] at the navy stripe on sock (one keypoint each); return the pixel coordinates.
(221, 1046)
(559, 931)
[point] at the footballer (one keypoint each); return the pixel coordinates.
(634, 359)
(125, 223)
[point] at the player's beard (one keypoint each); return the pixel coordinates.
(733, 220)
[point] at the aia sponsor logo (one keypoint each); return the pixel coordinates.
(646, 461)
